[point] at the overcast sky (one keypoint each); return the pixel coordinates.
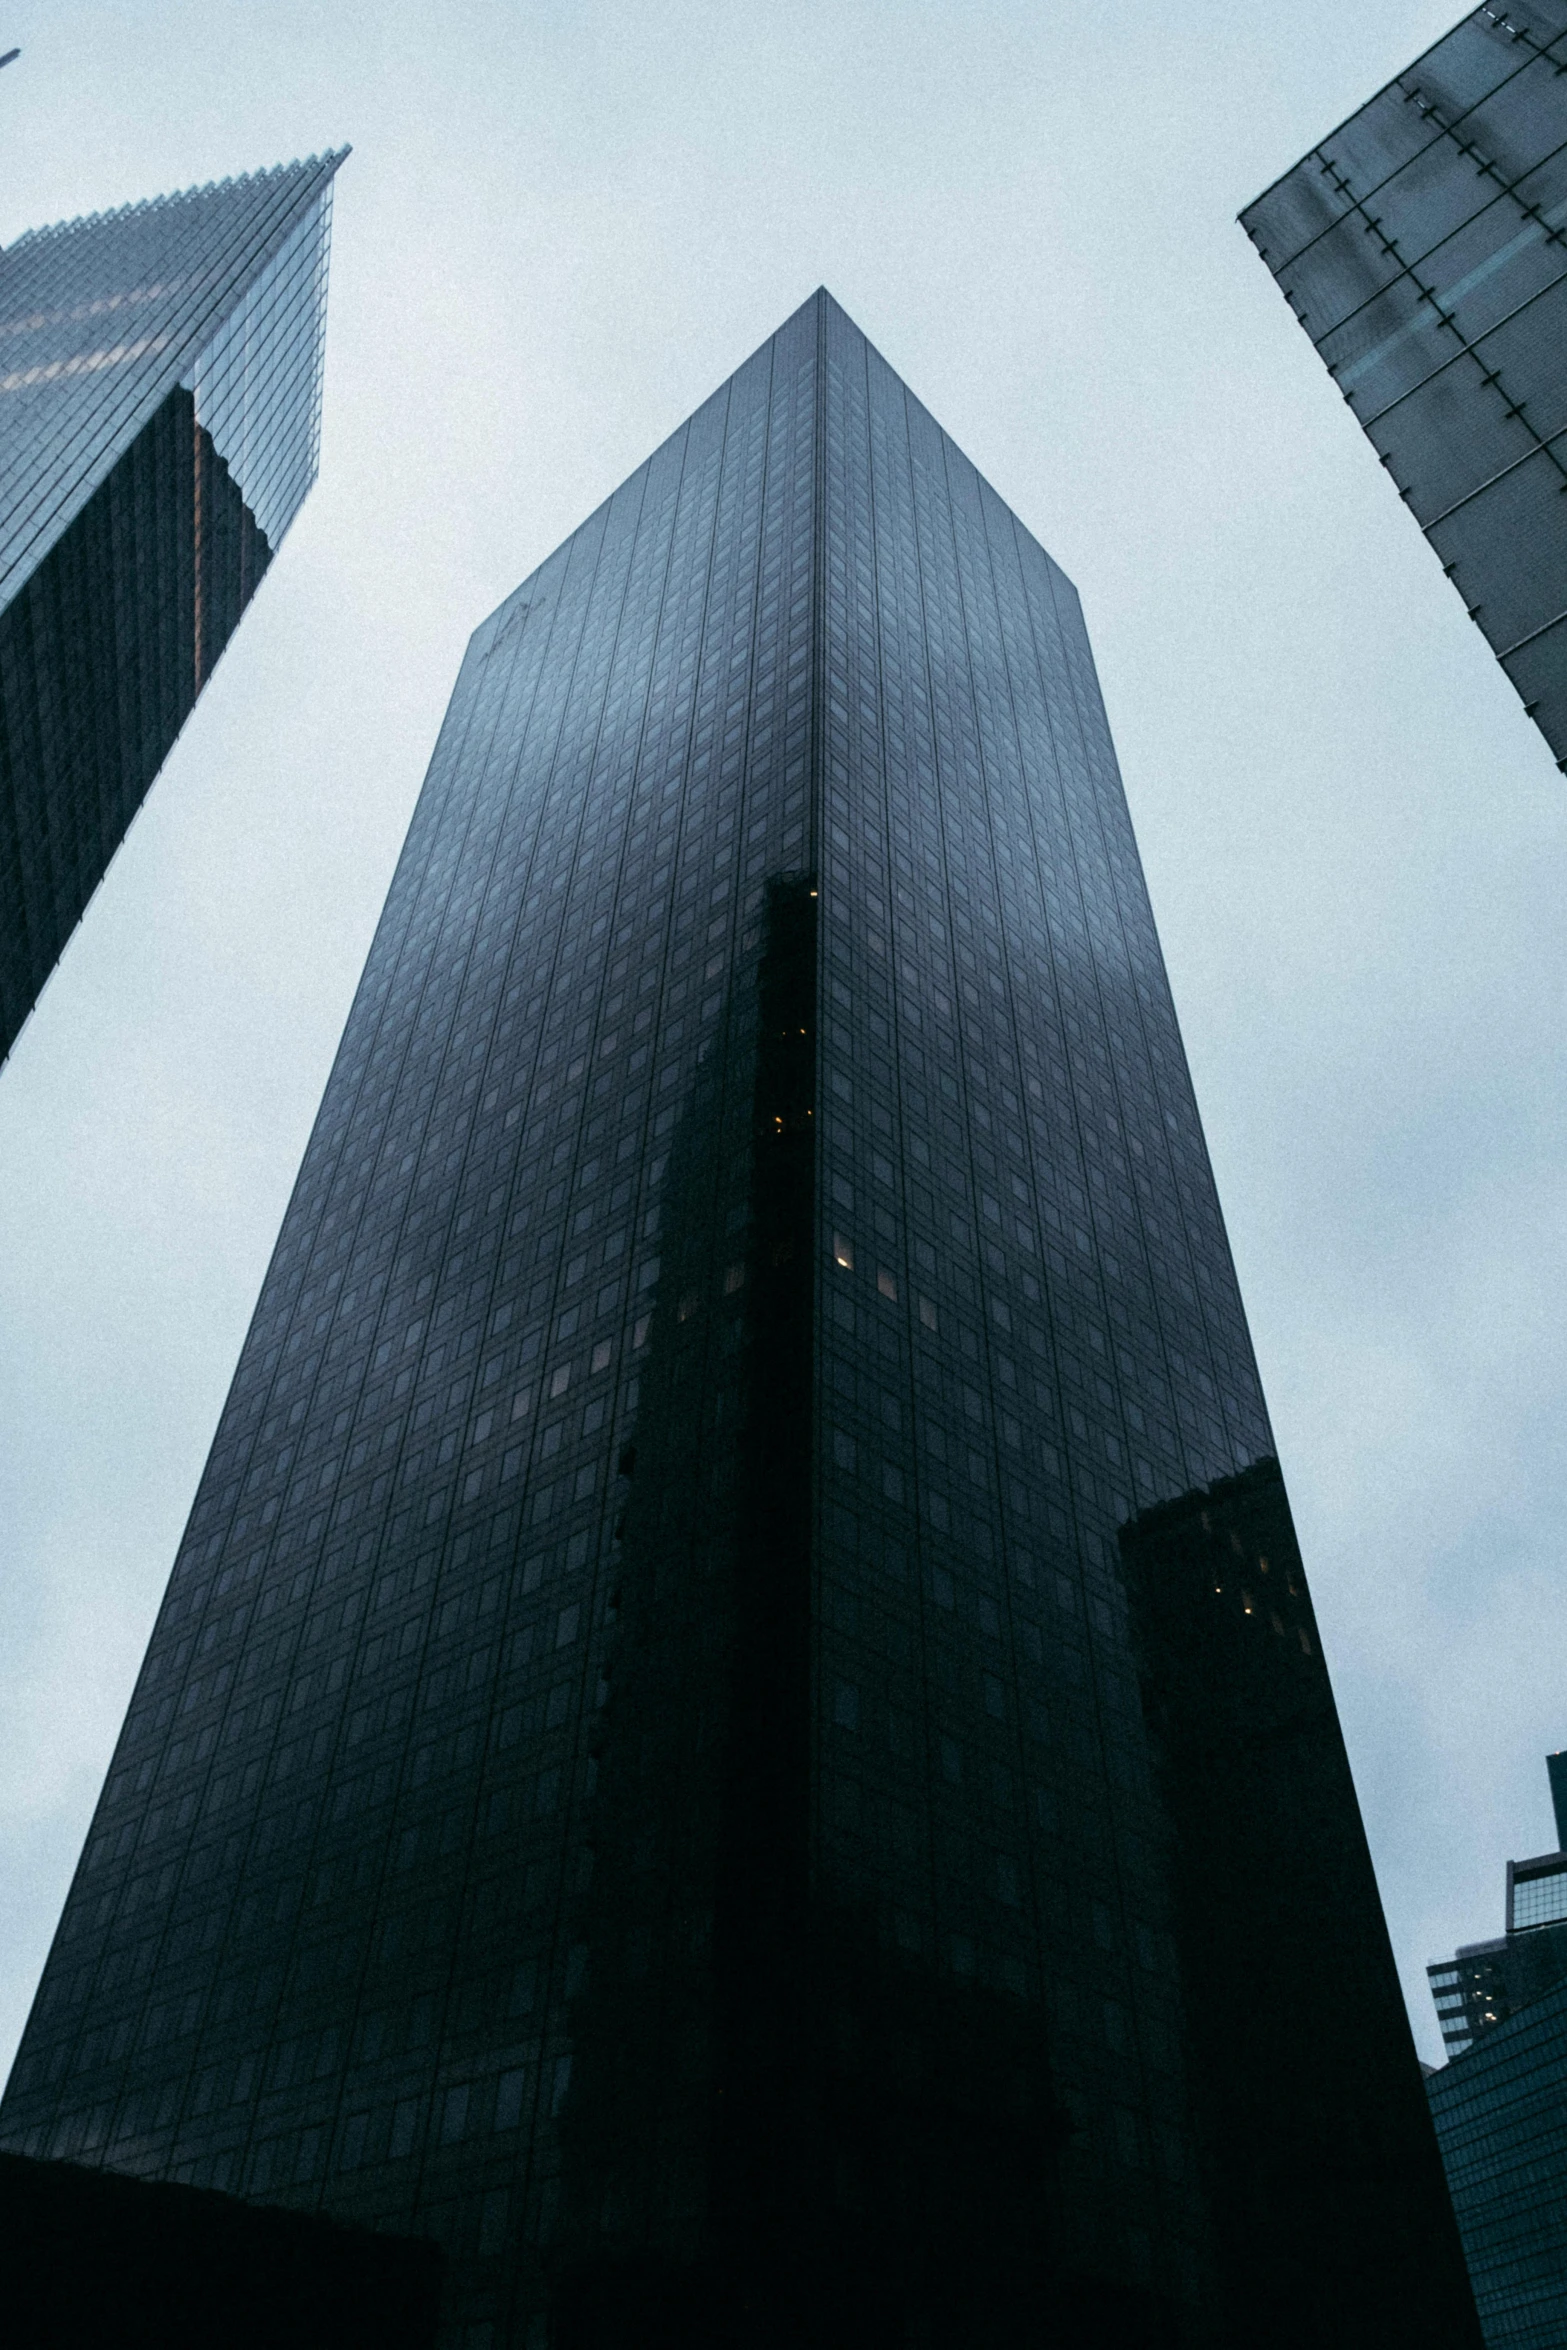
(562, 226)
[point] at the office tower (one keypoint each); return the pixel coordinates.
(1501, 2122)
(1498, 2102)
(160, 386)
(1485, 1983)
(1423, 247)
(641, 1770)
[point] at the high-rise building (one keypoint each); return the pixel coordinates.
(1501, 2122)
(653, 1766)
(1485, 1983)
(1423, 247)
(160, 409)
(1498, 2102)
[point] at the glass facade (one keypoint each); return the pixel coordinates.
(1556, 1768)
(160, 394)
(666, 1760)
(1501, 2122)
(1423, 247)
(1487, 1982)
(1536, 1892)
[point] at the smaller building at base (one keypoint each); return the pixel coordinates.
(1485, 1983)
(89, 2257)
(1501, 2122)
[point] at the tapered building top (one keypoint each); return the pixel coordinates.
(1423, 247)
(160, 408)
(644, 1768)
(221, 289)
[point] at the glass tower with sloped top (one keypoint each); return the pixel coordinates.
(160, 412)
(1423, 247)
(674, 1754)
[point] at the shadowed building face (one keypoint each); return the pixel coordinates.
(160, 405)
(643, 1769)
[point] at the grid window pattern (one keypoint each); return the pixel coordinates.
(1536, 1893)
(1501, 2122)
(643, 1736)
(160, 393)
(1423, 247)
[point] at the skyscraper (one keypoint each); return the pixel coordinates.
(1485, 1983)
(160, 410)
(1497, 2103)
(643, 1768)
(1501, 2121)
(1423, 247)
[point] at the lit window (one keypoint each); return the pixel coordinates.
(842, 1252)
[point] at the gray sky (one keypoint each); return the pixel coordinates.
(562, 226)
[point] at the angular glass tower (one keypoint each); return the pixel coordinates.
(672, 1756)
(160, 398)
(1423, 247)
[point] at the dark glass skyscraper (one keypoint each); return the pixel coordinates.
(160, 408)
(1423, 247)
(671, 1756)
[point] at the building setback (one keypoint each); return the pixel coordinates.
(1423, 247)
(644, 1768)
(160, 406)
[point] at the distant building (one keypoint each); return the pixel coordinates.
(1501, 2122)
(1485, 1983)
(1500, 2104)
(160, 404)
(1556, 1766)
(1423, 247)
